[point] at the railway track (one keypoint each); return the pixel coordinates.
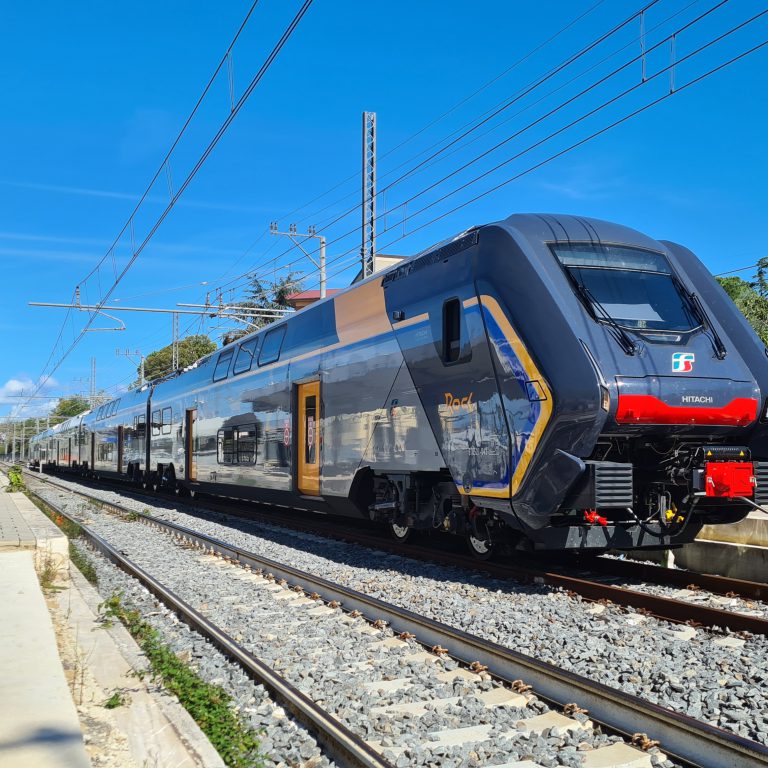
(589, 580)
(690, 742)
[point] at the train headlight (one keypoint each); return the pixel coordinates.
(605, 398)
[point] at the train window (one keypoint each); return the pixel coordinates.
(270, 349)
(310, 444)
(141, 426)
(246, 445)
(245, 355)
(166, 421)
(100, 412)
(156, 422)
(226, 446)
(222, 366)
(237, 445)
(451, 330)
(629, 286)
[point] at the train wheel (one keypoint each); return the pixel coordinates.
(479, 547)
(479, 539)
(399, 532)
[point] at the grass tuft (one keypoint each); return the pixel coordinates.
(117, 699)
(210, 705)
(15, 480)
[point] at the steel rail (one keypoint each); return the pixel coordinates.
(342, 744)
(666, 608)
(682, 737)
(657, 574)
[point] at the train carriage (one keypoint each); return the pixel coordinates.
(113, 436)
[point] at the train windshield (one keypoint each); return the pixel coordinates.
(629, 286)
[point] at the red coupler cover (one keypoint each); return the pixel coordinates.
(730, 478)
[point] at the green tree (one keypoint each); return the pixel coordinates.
(750, 299)
(262, 294)
(68, 406)
(761, 282)
(160, 362)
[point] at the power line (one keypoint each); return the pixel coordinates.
(536, 144)
(588, 138)
(431, 123)
(473, 125)
(509, 69)
(236, 107)
(742, 269)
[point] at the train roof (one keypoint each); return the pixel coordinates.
(561, 227)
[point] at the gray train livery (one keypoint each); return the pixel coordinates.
(546, 382)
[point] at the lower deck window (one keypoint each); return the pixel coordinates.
(237, 445)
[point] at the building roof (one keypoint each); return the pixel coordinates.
(305, 298)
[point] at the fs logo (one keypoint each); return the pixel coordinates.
(682, 362)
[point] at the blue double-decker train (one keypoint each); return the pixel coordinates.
(546, 381)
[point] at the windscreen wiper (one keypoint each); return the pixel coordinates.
(701, 315)
(623, 338)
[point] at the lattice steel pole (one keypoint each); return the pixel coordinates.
(92, 396)
(368, 248)
(175, 343)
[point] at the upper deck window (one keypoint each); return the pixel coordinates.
(270, 349)
(631, 286)
(222, 365)
(245, 354)
(166, 421)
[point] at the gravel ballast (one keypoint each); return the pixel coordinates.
(283, 741)
(712, 676)
(332, 658)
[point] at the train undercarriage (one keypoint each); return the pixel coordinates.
(634, 493)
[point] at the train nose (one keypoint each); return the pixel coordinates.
(690, 400)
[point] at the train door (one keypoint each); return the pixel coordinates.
(120, 448)
(93, 450)
(308, 448)
(190, 463)
(69, 451)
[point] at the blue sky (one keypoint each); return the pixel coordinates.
(95, 93)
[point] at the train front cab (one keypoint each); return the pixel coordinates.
(655, 383)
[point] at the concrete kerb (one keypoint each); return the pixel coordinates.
(156, 725)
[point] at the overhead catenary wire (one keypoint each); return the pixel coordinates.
(413, 215)
(420, 131)
(741, 269)
(104, 296)
(560, 131)
(245, 277)
(484, 117)
(449, 111)
(581, 142)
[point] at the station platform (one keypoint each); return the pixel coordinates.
(39, 724)
(752, 530)
(738, 550)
